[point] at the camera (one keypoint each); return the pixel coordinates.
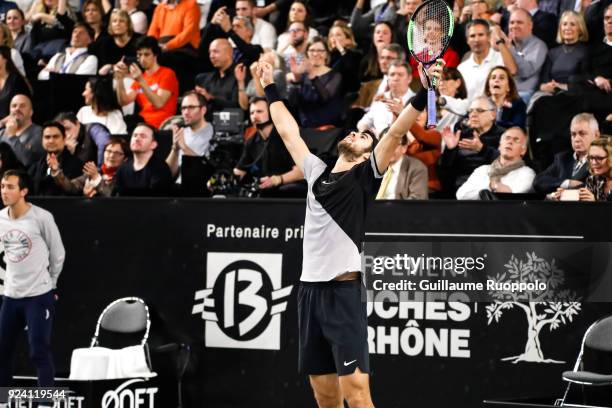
(129, 60)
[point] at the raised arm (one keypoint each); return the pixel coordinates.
(284, 122)
(386, 146)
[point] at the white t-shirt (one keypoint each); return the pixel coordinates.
(113, 120)
(199, 142)
(475, 75)
(519, 180)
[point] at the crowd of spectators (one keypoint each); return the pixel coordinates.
(524, 104)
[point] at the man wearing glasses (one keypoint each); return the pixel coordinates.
(193, 138)
(474, 143)
(155, 88)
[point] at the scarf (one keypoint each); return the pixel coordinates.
(109, 172)
(498, 170)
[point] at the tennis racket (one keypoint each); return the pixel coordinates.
(429, 34)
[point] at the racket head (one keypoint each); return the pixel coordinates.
(430, 30)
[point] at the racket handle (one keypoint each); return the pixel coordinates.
(431, 108)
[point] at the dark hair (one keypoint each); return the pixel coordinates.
(251, 2)
(201, 99)
(373, 137)
(480, 22)
(256, 99)
(454, 74)
(90, 31)
(69, 116)
(104, 99)
(55, 124)
(148, 42)
(306, 19)
(114, 140)
(151, 128)
(512, 91)
(24, 178)
(371, 59)
(9, 159)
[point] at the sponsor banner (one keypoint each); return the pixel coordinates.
(488, 271)
(221, 276)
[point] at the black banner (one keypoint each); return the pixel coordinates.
(222, 275)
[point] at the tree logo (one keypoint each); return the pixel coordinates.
(243, 300)
(549, 308)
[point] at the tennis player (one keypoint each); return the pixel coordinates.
(332, 320)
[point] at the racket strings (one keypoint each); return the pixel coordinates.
(431, 31)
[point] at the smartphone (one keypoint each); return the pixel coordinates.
(569, 195)
(129, 60)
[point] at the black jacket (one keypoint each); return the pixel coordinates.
(559, 171)
(43, 183)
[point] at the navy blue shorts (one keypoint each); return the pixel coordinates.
(333, 326)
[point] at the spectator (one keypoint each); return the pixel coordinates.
(433, 39)
(240, 31)
(314, 88)
(265, 158)
(101, 106)
(12, 81)
(599, 182)
(476, 10)
(155, 89)
(24, 137)
(94, 181)
(369, 89)
(528, 51)
(483, 56)
(452, 86)
(8, 159)
(6, 40)
(264, 32)
(298, 41)
(86, 142)
(144, 174)
(426, 146)
(473, 144)
(15, 20)
(52, 22)
(405, 178)
(507, 174)
(400, 27)
(176, 25)
(93, 15)
(565, 60)
(255, 89)
(118, 42)
(361, 23)
(544, 23)
(298, 13)
(57, 159)
(500, 87)
(138, 18)
(220, 87)
(387, 106)
(369, 69)
(194, 138)
(570, 169)
(344, 56)
(5, 6)
(76, 58)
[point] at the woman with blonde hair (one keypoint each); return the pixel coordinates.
(599, 183)
(117, 42)
(344, 55)
(569, 57)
